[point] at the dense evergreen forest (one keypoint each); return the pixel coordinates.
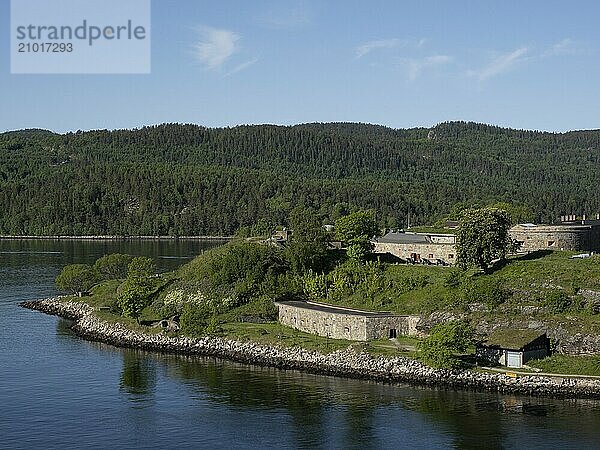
(189, 180)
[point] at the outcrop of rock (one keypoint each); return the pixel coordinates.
(565, 341)
(346, 363)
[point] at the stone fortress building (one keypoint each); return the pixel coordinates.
(418, 248)
(570, 234)
(345, 323)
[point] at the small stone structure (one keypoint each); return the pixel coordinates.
(513, 348)
(576, 236)
(345, 323)
(418, 247)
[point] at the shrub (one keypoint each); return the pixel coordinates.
(446, 339)
(132, 298)
(315, 285)
(141, 267)
(557, 301)
(77, 278)
(453, 278)
(488, 292)
(234, 262)
(198, 320)
(134, 294)
(113, 266)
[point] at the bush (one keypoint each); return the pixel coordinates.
(77, 278)
(141, 267)
(446, 339)
(133, 297)
(453, 278)
(241, 271)
(557, 301)
(198, 320)
(488, 292)
(113, 266)
(134, 294)
(315, 286)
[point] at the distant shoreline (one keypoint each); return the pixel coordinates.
(116, 238)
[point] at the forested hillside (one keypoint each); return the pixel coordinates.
(190, 180)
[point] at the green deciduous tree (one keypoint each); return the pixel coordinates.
(307, 249)
(141, 267)
(134, 294)
(482, 237)
(77, 278)
(439, 349)
(198, 320)
(113, 266)
(132, 298)
(355, 231)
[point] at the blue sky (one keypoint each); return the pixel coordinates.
(523, 64)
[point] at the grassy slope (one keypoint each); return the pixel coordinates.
(526, 278)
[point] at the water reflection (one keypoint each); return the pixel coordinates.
(43, 254)
(138, 375)
(130, 399)
(471, 419)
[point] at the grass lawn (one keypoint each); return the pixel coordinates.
(404, 346)
(575, 365)
(273, 333)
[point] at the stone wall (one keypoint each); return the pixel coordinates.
(379, 327)
(445, 252)
(557, 237)
(345, 324)
(345, 363)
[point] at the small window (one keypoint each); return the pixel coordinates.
(551, 243)
(451, 256)
(347, 329)
(431, 256)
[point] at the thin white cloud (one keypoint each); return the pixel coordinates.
(215, 46)
(241, 67)
(368, 47)
(565, 47)
(502, 63)
(416, 66)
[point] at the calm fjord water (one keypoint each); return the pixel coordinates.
(58, 391)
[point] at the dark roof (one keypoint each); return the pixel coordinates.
(511, 339)
(335, 309)
(403, 238)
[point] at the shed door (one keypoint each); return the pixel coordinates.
(513, 359)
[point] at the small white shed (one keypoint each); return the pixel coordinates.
(513, 347)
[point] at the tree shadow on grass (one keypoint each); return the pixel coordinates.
(533, 256)
(538, 254)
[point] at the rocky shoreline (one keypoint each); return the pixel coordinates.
(347, 363)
